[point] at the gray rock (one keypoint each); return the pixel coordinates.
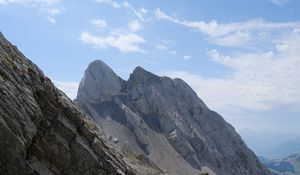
(41, 131)
(169, 120)
(106, 83)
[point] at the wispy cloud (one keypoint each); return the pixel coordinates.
(114, 4)
(30, 2)
(236, 34)
(279, 2)
(52, 13)
(99, 23)
(124, 41)
(69, 88)
(125, 38)
(259, 81)
(140, 13)
(134, 26)
(49, 7)
(166, 45)
(187, 57)
(161, 47)
(217, 57)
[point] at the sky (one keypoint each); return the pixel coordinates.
(242, 57)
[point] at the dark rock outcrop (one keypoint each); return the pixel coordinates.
(165, 120)
(41, 131)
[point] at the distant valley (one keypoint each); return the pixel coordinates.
(271, 145)
(286, 166)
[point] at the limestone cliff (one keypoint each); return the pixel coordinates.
(164, 120)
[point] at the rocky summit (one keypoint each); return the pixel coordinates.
(165, 122)
(41, 131)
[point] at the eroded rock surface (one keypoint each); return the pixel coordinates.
(41, 131)
(164, 119)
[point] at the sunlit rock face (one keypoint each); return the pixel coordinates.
(165, 120)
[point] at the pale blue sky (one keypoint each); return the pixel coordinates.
(242, 57)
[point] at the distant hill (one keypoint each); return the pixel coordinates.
(263, 159)
(285, 149)
(286, 166)
(275, 145)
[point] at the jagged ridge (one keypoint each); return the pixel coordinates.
(164, 119)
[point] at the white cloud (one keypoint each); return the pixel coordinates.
(138, 12)
(235, 39)
(48, 7)
(134, 26)
(126, 4)
(224, 94)
(99, 23)
(187, 57)
(236, 34)
(279, 2)
(166, 45)
(143, 11)
(50, 19)
(161, 15)
(69, 88)
(258, 82)
(123, 41)
(212, 28)
(217, 57)
(161, 47)
(30, 2)
(114, 4)
(54, 11)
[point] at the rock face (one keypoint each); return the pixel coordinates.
(164, 119)
(106, 84)
(41, 131)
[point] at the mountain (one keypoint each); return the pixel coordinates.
(276, 145)
(284, 149)
(163, 120)
(41, 131)
(263, 159)
(287, 166)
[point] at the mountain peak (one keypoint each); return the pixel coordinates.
(143, 77)
(138, 68)
(98, 63)
(99, 83)
(99, 68)
(139, 71)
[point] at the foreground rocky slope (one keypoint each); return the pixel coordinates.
(41, 131)
(164, 120)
